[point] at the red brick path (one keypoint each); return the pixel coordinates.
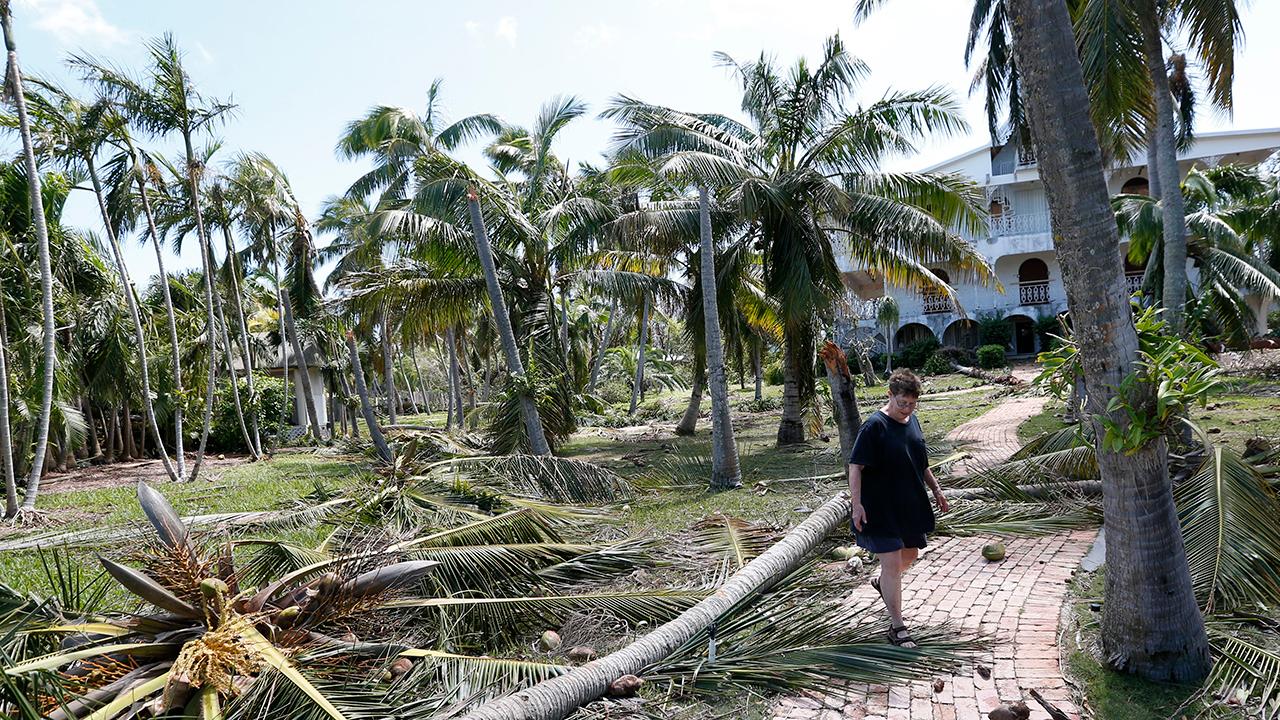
(1016, 602)
(992, 437)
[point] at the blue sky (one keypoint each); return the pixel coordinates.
(300, 71)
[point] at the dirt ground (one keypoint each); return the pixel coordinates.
(93, 477)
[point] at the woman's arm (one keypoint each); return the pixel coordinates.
(932, 482)
(856, 511)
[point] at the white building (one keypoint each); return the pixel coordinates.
(1018, 244)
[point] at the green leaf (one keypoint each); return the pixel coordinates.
(277, 660)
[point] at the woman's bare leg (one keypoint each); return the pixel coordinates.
(891, 569)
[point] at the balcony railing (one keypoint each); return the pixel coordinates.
(1019, 224)
(935, 303)
(1026, 158)
(1133, 281)
(1033, 293)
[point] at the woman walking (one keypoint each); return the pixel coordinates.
(888, 476)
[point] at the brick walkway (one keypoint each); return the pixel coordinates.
(992, 437)
(1015, 602)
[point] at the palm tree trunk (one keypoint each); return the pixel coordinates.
(388, 369)
(689, 421)
(14, 81)
(844, 400)
(791, 428)
(528, 407)
(139, 335)
(637, 387)
(413, 392)
(725, 471)
(351, 409)
(109, 429)
(284, 340)
(366, 407)
(888, 358)
(304, 371)
(1153, 164)
(564, 326)
(604, 346)
(755, 365)
(179, 454)
(130, 449)
(556, 698)
(6, 440)
(227, 348)
(94, 449)
(1151, 624)
(454, 412)
(1172, 206)
(422, 386)
(193, 187)
(246, 353)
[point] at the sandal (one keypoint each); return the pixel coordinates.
(899, 636)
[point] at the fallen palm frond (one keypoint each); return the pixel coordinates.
(1246, 672)
(1228, 514)
(511, 614)
(561, 480)
(1018, 518)
(737, 540)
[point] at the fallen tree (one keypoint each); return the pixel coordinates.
(993, 378)
(558, 697)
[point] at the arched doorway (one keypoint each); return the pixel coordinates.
(962, 334)
(909, 333)
(1033, 282)
(1024, 334)
(1136, 186)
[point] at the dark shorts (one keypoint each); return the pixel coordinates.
(887, 544)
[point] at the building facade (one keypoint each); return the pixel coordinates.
(1019, 246)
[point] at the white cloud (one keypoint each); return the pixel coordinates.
(594, 37)
(473, 28)
(74, 22)
(506, 30)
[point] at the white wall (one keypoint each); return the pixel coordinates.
(317, 394)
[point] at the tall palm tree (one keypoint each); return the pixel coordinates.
(725, 471)
(1219, 203)
(13, 86)
(6, 437)
(167, 102)
(802, 177)
(73, 133)
(887, 318)
(1151, 624)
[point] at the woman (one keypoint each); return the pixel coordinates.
(888, 474)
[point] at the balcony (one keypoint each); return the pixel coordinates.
(935, 303)
(1026, 158)
(1009, 224)
(1033, 293)
(1133, 281)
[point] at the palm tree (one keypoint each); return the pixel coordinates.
(366, 407)
(801, 178)
(1151, 624)
(528, 405)
(1219, 203)
(725, 471)
(169, 102)
(6, 438)
(13, 81)
(887, 318)
(73, 133)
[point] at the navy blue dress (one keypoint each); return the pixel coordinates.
(894, 461)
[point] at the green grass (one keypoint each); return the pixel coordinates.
(1047, 420)
(1112, 695)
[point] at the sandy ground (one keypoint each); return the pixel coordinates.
(92, 477)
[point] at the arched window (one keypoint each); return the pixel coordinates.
(1033, 282)
(1136, 186)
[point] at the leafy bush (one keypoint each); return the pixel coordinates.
(764, 404)
(1047, 327)
(269, 407)
(938, 364)
(995, 329)
(1273, 323)
(959, 355)
(614, 390)
(991, 357)
(773, 374)
(916, 353)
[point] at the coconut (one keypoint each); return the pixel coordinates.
(624, 687)
(843, 552)
(993, 551)
(549, 641)
(582, 653)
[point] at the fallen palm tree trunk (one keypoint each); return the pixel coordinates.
(556, 698)
(1034, 490)
(995, 378)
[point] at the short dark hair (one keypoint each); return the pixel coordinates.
(904, 382)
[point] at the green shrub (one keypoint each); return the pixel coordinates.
(995, 329)
(916, 353)
(938, 364)
(269, 407)
(614, 390)
(773, 374)
(764, 404)
(1047, 327)
(1273, 323)
(959, 355)
(991, 357)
